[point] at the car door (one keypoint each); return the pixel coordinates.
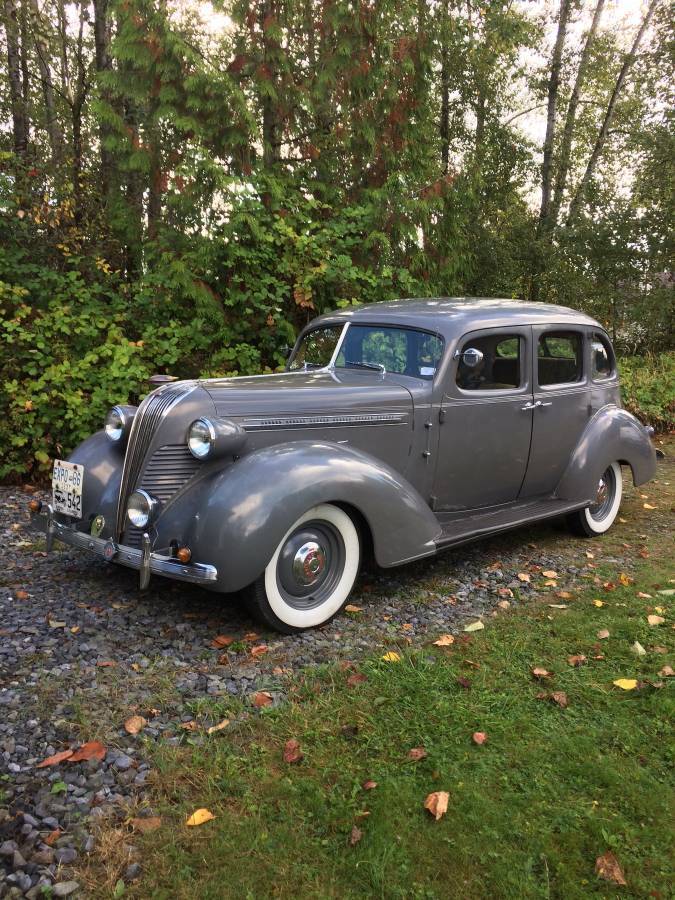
(562, 404)
(486, 420)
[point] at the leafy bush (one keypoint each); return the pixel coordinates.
(648, 388)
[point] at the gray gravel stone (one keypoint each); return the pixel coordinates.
(65, 888)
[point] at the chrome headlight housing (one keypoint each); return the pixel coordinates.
(118, 423)
(142, 509)
(201, 438)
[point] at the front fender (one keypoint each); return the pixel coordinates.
(246, 509)
(612, 435)
(102, 461)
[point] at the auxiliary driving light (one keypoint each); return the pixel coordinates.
(142, 509)
(35, 506)
(184, 555)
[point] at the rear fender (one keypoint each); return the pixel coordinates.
(612, 435)
(245, 510)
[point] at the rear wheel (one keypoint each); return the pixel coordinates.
(600, 515)
(311, 573)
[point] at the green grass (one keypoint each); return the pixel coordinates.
(529, 811)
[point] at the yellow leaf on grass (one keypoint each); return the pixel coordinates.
(626, 684)
(474, 626)
(391, 656)
(602, 634)
(549, 573)
(199, 816)
(638, 649)
(655, 620)
(218, 727)
(625, 579)
(648, 506)
(353, 609)
(523, 576)
(134, 724)
(598, 603)
(445, 640)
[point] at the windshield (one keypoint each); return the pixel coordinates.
(404, 351)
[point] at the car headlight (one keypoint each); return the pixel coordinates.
(118, 422)
(142, 509)
(201, 437)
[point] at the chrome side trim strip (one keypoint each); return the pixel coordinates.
(266, 424)
(196, 573)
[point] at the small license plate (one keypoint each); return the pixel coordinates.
(67, 481)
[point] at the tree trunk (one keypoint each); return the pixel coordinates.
(77, 107)
(580, 194)
(103, 64)
(51, 115)
(553, 86)
(270, 119)
(570, 119)
(444, 127)
(20, 124)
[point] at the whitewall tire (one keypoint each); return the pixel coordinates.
(311, 573)
(599, 517)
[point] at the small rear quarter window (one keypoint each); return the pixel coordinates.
(602, 358)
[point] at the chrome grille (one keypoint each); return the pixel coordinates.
(147, 418)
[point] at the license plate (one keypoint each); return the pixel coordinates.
(67, 481)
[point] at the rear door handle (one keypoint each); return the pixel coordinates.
(537, 404)
(529, 405)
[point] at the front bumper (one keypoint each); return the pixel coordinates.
(144, 560)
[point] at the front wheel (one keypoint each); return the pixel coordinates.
(311, 573)
(600, 515)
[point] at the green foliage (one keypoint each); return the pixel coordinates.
(648, 388)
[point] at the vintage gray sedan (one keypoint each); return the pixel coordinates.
(398, 429)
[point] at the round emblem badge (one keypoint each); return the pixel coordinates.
(109, 551)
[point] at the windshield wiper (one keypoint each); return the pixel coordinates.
(376, 367)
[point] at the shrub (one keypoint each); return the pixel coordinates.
(648, 388)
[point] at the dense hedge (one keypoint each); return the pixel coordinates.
(648, 388)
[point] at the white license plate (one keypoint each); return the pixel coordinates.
(67, 481)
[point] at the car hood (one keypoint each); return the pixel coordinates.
(321, 391)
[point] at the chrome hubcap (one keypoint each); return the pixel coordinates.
(604, 496)
(601, 495)
(309, 563)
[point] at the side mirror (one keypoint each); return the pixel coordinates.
(470, 357)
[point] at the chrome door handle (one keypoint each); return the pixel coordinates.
(529, 405)
(541, 403)
(537, 404)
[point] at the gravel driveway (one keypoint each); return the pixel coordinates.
(80, 645)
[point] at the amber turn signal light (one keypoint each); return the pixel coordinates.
(184, 554)
(35, 506)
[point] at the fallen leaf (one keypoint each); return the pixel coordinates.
(626, 684)
(550, 584)
(638, 649)
(219, 727)
(199, 816)
(292, 751)
(560, 697)
(666, 592)
(598, 603)
(259, 650)
(251, 637)
(644, 596)
(106, 664)
(134, 724)
(355, 836)
(356, 678)
(647, 506)
(607, 866)
(504, 604)
(418, 753)
(54, 624)
(222, 640)
(262, 698)
(53, 836)
(189, 726)
(549, 573)
(505, 592)
(75, 629)
(149, 823)
(576, 660)
(407, 627)
(564, 595)
(351, 608)
(602, 634)
(474, 626)
(524, 577)
(445, 640)
(540, 672)
(479, 737)
(90, 750)
(391, 656)
(558, 606)
(55, 759)
(655, 620)
(369, 785)
(437, 803)
(464, 683)
(625, 579)
(667, 672)
(590, 555)
(21, 595)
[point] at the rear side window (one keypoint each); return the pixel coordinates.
(560, 357)
(602, 358)
(495, 366)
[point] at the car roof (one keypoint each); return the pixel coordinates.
(454, 316)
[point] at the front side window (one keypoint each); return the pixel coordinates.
(492, 362)
(602, 365)
(560, 357)
(404, 351)
(316, 348)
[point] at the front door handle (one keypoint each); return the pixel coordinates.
(537, 404)
(529, 405)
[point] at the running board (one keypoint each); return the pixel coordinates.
(462, 528)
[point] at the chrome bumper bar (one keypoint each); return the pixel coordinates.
(144, 559)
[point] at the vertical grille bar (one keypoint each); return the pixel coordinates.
(148, 416)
